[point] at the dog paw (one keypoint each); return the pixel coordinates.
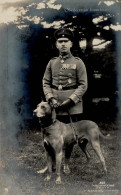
(105, 172)
(66, 170)
(58, 180)
(42, 170)
(47, 178)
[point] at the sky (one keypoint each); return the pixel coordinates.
(97, 43)
(11, 13)
(11, 1)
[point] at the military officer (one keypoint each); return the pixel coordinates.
(65, 79)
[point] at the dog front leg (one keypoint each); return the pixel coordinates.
(49, 166)
(68, 151)
(58, 167)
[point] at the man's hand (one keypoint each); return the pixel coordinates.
(54, 103)
(66, 104)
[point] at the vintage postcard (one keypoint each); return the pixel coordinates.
(77, 69)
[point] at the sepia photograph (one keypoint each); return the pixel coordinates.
(60, 97)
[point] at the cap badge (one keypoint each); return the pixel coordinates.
(62, 61)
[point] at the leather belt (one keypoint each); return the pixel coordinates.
(60, 87)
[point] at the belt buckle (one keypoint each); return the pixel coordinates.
(60, 87)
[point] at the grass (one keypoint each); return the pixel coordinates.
(20, 168)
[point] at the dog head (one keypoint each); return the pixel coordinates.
(45, 111)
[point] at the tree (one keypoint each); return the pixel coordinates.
(95, 22)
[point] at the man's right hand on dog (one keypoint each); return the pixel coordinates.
(54, 103)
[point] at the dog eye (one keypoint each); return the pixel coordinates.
(43, 107)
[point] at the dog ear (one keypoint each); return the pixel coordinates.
(42, 99)
(53, 115)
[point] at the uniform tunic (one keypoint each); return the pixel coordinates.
(67, 72)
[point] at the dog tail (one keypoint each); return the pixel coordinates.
(106, 137)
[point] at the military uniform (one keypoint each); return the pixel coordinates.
(66, 77)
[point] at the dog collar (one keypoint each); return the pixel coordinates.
(44, 125)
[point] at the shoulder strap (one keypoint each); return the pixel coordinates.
(77, 58)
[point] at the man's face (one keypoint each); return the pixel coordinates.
(63, 45)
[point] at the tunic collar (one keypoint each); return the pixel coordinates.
(65, 56)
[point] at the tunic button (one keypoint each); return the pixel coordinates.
(70, 74)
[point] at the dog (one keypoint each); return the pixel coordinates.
(59, 138)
